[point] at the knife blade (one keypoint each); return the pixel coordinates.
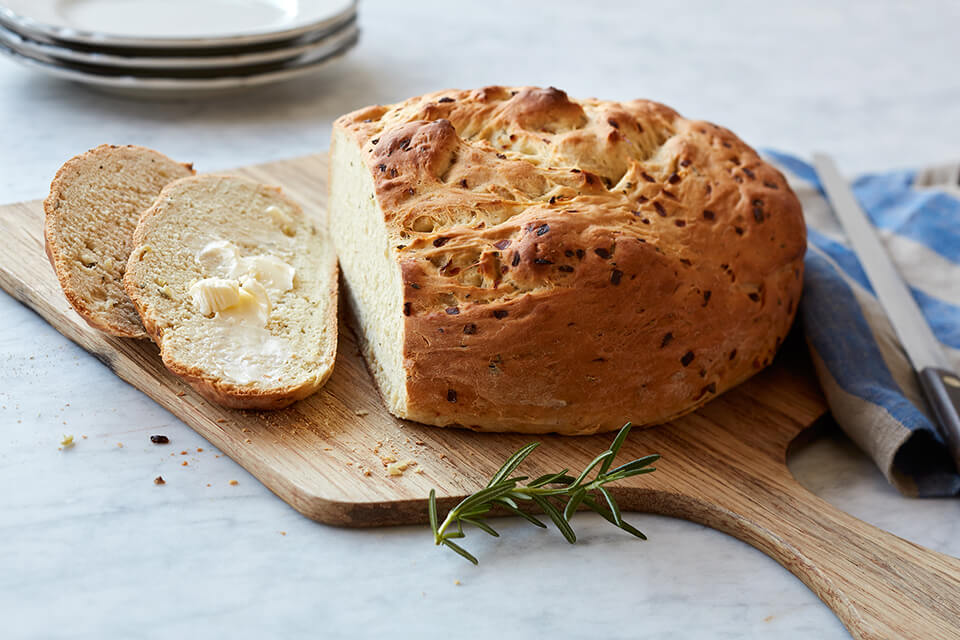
(940, 385)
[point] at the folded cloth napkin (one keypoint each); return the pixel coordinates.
(869, 384)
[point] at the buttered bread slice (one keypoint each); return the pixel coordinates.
(94, 204)
(238, 287)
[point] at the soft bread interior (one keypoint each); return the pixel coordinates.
(210, 275)
(374, 287)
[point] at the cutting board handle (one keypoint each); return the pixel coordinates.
(881, 586)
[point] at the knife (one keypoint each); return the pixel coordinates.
(940, 385)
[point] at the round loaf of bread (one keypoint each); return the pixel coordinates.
(95, 201)
(238, 287)
(521, 261)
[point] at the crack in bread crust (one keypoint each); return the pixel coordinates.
(571, 265)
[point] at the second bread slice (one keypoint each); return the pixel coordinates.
(238, 288)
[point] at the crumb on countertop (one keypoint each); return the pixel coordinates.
(67, 441)
(234, 483)
(120, 445)
(159, 480)
(159, 439)
(184, 463)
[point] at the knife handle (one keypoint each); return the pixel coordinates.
(942, 389)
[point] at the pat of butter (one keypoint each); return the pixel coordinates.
(239, 289)
(282, 219)
(253, 304)
(219, 258)
(245, 301)
(273, 273)
(212, 295)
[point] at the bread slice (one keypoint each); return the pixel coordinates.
(94, 204)
(238, 287)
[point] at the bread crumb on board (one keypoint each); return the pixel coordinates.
(361, 412)
(397, 468)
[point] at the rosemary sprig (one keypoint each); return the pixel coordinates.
(558, 495)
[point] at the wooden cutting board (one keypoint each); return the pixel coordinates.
(723, 466)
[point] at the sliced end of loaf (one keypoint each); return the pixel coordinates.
(283, 356)
(373, 283)
(95, 201)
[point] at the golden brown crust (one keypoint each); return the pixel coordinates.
(63, 202)
(572, 265)
(206, 384)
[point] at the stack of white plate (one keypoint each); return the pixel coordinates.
(176, 47)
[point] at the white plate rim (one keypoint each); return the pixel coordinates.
(32, 48)
(176, 84)
(54, 34)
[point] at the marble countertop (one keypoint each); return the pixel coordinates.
(92, 549)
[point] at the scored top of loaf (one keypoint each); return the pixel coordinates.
(495, 192)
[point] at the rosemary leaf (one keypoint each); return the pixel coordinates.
(615, 447)
(526, 516)
(557, 518)
(548, 478)
(626, 526)
(573, 503)
(463, 552)
(637, 464)
(483, 526)
(433, 510)
(614, 507)
(600, 458)
(512, 463)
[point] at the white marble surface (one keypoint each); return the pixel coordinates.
(92, 549)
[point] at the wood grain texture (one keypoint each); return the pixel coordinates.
(723, 466)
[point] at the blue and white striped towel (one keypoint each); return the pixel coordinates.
(869, 384)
